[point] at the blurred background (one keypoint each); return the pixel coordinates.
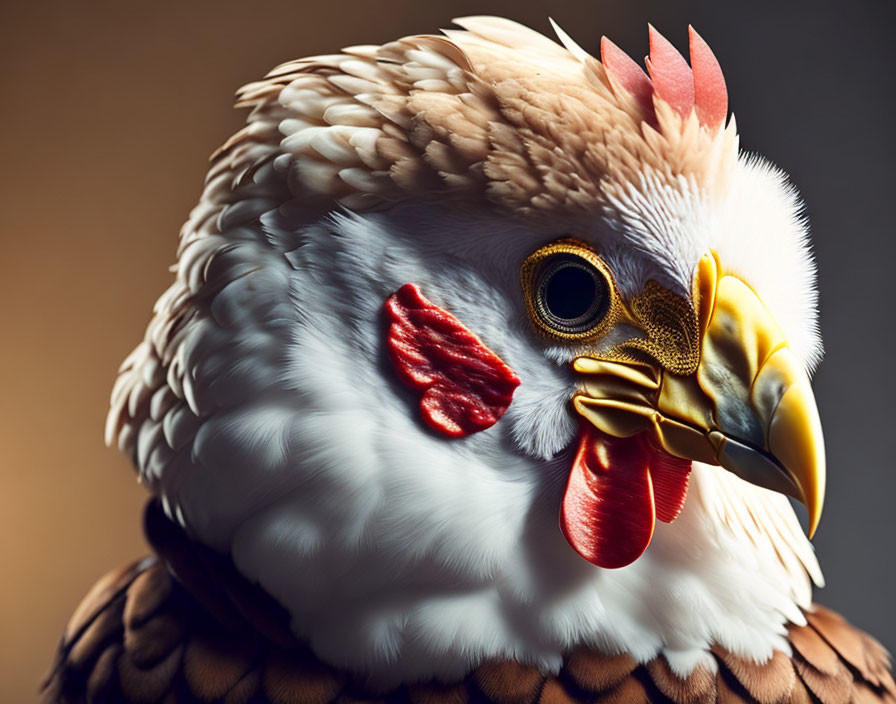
(110, 109)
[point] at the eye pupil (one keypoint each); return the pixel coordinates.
(570, 295)
(569, 291)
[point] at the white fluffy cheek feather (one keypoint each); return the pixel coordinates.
(482, 289)
(403, 526)
(539, 416)
(400, 551)
(369, 488)
(757, 229)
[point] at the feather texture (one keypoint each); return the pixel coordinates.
(267, 346)
(497, 112)
(204, 659)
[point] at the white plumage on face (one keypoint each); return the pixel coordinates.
(263, 408)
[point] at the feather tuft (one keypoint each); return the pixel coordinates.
(568, 42)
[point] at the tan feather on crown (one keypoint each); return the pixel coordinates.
(498, 112)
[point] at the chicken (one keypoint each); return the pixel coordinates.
(484, 376)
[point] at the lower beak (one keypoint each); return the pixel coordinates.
(749, 406)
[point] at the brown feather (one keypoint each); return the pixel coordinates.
(142, 636)
(346, 699)
(145, 595)
(99, 597)
(863, 694)
(149, 685)
(729, 694)
(181, 558)
(879, 664)
(243, 691)
(769, 683)
(629, 691)
(594, 672)
(815, 650)
(508, 682)
(299, 679)
(100, 631)
(858, 650)
(155, 639)
(215, 662)
(800, 695)
(842, 637)
(697, 688)
(100, 680)
(255, 605)
(105, 594)
(829, 688)
(438, 693)
(215, 583)
(554, 693)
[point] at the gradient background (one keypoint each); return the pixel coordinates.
(109, 110)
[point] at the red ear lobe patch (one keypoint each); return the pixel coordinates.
(466, 387)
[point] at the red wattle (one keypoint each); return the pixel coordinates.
(670, 477)
(465, 386)
(608, 512)
(617, 489)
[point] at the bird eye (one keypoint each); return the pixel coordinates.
(567, 290)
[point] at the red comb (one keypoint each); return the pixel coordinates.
(710, 93)
(624, 70)
(672, 78)
(699, 87)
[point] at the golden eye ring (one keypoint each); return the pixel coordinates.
(569, 292)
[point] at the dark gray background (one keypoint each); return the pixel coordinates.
(109, 110)
(813, 87)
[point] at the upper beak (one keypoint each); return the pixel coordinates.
(748, 407)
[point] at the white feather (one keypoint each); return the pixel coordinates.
(411, 556)
(568, 42)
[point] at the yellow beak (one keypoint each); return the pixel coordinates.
(749, 406)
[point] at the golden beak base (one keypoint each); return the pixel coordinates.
(748, 406)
